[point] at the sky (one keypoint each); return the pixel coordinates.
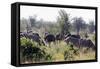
(51, 13)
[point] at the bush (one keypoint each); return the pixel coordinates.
(30, 51)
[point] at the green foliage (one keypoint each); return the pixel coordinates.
(30, 50)
(25, 42)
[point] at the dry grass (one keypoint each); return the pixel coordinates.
(60, 51)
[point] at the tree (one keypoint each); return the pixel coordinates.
(91, 27)
(23, 24)
(32, 20)
(63, 20)
(79, 24)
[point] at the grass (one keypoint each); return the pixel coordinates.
(58, 51)
(85, 56)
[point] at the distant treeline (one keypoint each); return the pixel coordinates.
(62, 25)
